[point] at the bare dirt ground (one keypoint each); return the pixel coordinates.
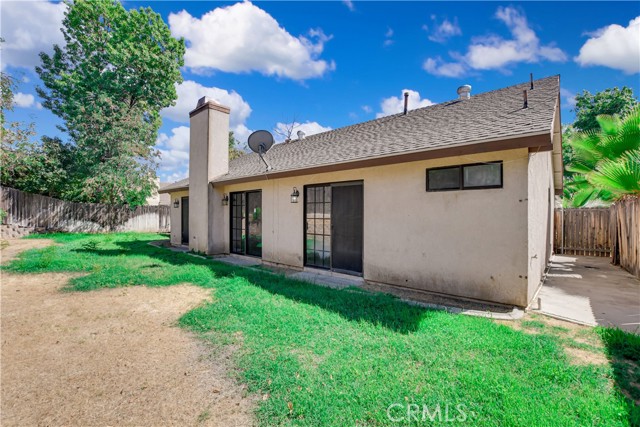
(108, 357)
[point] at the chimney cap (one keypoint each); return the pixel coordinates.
(205, 100)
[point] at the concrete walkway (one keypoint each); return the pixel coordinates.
(591, 291)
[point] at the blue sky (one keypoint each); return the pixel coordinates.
(334, 63)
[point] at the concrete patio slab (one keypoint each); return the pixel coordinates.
(590, 291)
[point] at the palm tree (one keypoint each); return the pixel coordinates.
(606, 163)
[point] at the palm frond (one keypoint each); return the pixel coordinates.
(619, 176)
(582, 196)
(579, 167)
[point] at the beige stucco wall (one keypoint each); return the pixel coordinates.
(540, 217)
(175, 216)
(471, 243)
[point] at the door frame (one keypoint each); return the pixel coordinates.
(304, 226)
(245, 220)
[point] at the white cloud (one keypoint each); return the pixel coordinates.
(367, 109)
(244, 38)
(494, 52)
(438, 67)
(349, 5)
(241, 134)
(395, 105)
(615, 47)
(309, 128)
(188, 94)
(29, 28)
(174, 151)
(172, 177)
(443, 31)
(568, 97)
(24, 100)
(388, 37)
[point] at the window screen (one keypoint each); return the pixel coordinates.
(443, 179)
(487, 175)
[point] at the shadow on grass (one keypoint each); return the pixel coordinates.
(623, 350)
(351, 303)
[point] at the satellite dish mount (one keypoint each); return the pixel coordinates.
(260, 142)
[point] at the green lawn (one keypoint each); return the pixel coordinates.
(325, 357)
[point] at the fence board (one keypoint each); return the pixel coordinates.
(47, 213)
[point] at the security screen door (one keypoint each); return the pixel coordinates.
(334, 226)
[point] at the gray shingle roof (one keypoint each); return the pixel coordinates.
(178, 185)
(494, 115)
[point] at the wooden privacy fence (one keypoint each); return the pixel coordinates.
(582, 231)
(610, 232)
(46, 213)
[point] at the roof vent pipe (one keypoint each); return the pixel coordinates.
(464, 92)
(531, 79)
(301, 134)
(406, 102)
(526, 101)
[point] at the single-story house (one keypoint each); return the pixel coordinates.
(455, 198)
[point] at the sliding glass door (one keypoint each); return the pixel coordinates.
(334, 226)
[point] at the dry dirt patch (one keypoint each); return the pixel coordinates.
(109, 357)
(573, 336)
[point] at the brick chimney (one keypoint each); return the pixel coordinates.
(208, 159)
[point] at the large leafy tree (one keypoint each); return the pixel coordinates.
(608, 102)
(117, 70)
(606, 162)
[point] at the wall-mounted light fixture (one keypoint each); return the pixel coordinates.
(295, 195)
(176, 203)
(225, 199)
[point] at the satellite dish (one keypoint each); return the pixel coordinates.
(260, 141)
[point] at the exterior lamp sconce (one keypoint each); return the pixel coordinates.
(176, 203)
(295, 195)
(225, 199)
